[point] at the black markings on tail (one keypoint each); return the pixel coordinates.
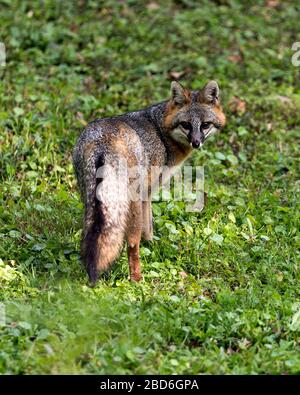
(89, 245)
(90, 249)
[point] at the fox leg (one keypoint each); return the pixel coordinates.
(134, 233)
(147, 220)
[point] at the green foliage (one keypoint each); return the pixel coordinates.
(221, 288)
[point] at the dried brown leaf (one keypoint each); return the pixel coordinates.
(237, 105)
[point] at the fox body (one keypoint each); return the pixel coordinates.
(161, 135)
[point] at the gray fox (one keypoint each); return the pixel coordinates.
(163, 134)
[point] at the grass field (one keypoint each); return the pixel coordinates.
(221, 288)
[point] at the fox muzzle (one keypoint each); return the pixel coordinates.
(196, 136)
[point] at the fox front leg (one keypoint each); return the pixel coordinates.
(147, 233)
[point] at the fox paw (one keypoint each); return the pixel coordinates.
(136, 277)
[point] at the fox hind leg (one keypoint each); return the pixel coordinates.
(134, 233)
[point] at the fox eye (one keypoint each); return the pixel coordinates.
(186, 125)
(205, 125)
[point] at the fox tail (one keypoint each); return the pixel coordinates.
(105, 218)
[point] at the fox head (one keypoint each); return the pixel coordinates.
(192, 116)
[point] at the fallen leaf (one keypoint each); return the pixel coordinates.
(284, 99)
(153, 6)
(183, 274)
(80, 118)
(272, 3)
(80, 57)
(236, 105)
(235, 58)
(89, 81)
(244, 343)
(74, 27)
(230, 351)
(176, 75)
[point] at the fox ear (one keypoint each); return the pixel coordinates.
(210, 93)
(179, 95)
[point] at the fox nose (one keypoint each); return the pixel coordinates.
(196, 143)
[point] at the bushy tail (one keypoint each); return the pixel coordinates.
(106, 211)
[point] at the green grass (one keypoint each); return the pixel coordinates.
(238, 308)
